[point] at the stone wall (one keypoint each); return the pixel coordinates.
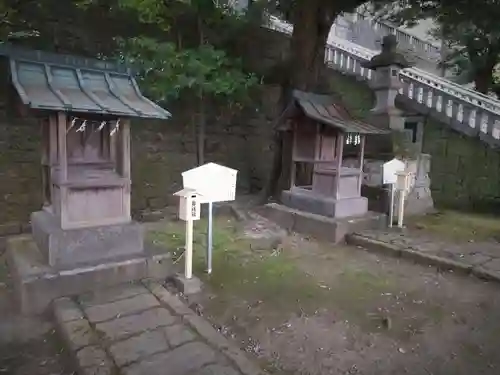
(161, 150)
(465, 172)
(20, 173)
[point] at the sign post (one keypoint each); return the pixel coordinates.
(391, 208)
(188, 261)
(403, 186)
(209, 237)
(189, 210)
(214, 183)
(389, 172)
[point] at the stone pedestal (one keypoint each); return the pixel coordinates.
(319, 226)
(419, 200)
(67, 248)
(53, 262)
(37, 284)
(325, 206)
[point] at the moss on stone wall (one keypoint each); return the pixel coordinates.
(20, 182)
(161, 150)
(465, 172)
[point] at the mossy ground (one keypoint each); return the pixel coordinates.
(301, 305)
(459, 226)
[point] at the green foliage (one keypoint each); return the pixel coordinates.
(12, 26)
(166, 72)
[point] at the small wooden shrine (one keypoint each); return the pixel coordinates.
(84, 108)
(327, 157)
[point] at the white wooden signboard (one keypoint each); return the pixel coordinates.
(214, 182)
(390, 170)
(207, 183)
(189, 210)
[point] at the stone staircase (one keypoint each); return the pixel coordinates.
(464, 110)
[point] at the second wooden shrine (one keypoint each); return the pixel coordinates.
(327, 157)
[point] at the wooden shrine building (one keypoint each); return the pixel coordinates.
(84, 108)
(327, 157)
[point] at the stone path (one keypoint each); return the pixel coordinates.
(481, 259)
(143, 329)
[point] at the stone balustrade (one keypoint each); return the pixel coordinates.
(465, 110)
(405, 39)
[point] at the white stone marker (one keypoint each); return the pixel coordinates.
(403, 185)
(389, 176)
(189, 210)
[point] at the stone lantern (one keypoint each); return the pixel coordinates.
(407, 129)
(386, 82)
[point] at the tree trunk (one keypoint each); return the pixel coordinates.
(200, 144)
(312, 21)
(483, 80)
(483, 67)
(200, 147)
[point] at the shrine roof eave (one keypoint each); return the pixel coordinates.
(51, 82)
(322, 108)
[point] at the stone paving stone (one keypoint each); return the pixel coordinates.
(78, 334)
(493, 265)
(474, 259)
(181, 361)
(491, 249)
(92, 356)
(100, 313)
(130, 325)
(178, 335)
(101, 370)
(112, 294)
(136, 347)
(205, 329)
(67, 310)
(429, 247)
(217, 370)
(169, 299)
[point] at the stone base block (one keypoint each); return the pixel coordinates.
(321, 227)
(187, 286)
(419, 202)
(63, 248)
(36, 283)
(329, 207)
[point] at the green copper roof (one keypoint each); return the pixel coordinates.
(53, 82)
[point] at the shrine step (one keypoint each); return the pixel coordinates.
(320, 227)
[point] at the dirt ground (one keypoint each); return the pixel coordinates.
(311, 308)
(28, 346)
